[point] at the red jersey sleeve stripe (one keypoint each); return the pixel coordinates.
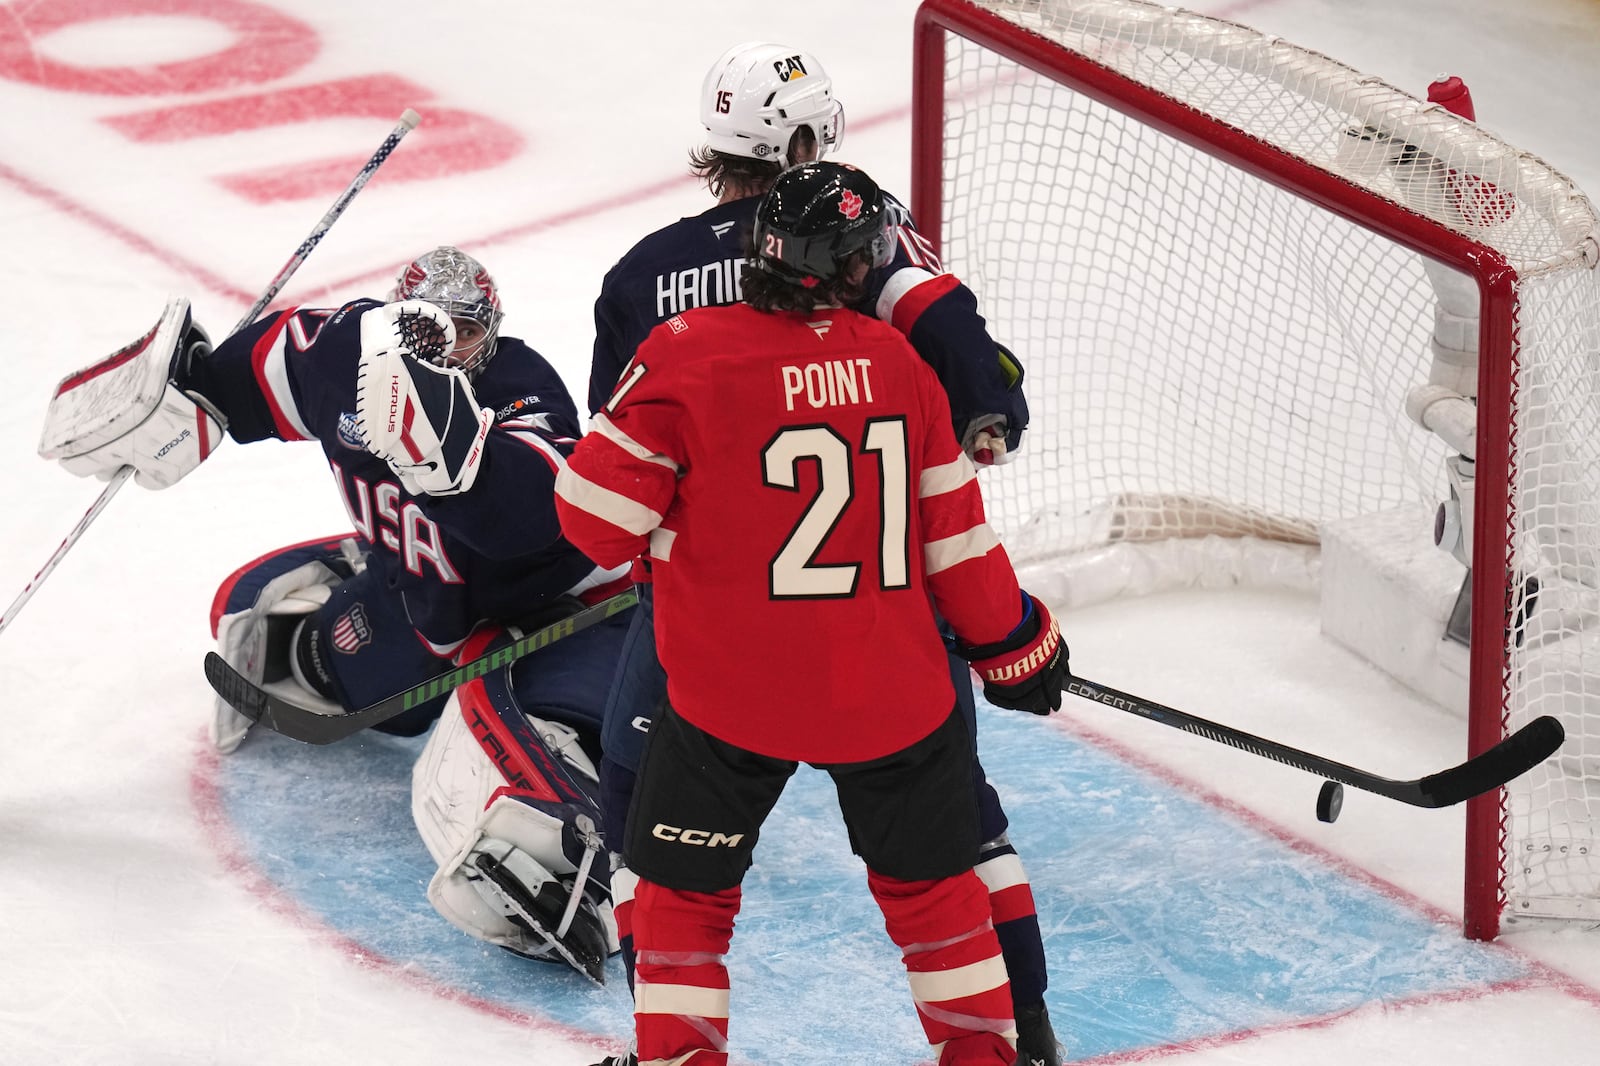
(909, 292)
(269, 361)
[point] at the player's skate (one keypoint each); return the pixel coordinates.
(1036, 1039)
(561, 922)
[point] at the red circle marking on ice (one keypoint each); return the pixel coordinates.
(268, 44)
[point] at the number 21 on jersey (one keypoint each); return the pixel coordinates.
(794, 572)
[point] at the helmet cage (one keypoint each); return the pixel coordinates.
(459, 286)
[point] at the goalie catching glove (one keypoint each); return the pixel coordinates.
(422, 419)
(126, 409)
(1025, 671)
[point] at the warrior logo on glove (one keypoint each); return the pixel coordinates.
(1025, 671)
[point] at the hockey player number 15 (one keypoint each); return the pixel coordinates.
(792, 573)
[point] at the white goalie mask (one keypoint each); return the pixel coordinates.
(758, 94)
(458, 285)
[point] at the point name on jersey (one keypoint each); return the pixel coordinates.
(832, 383)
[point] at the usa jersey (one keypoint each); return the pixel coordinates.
(495, 553)
(795, 482)
(695, 262)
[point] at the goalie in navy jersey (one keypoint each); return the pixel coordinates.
(764, 106)
(789, 467)
(445, 438)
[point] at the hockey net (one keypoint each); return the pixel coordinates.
(1226, 261)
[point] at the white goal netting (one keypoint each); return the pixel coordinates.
(1204, 243)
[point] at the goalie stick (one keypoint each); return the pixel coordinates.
(1488, 770)
(313, 727)
(408, 122)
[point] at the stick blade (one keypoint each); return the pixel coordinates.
(232, 686)
(1506, 761)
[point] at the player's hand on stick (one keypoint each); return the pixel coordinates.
(128, 410)
(985, 441)
(422, 419)
(1025, 671)
(995, 439)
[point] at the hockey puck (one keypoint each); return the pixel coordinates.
(1329, 801)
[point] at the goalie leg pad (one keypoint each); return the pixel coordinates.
(503, 803)
(513, 883)
(257, 611)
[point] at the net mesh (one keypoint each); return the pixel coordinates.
(1210, 353)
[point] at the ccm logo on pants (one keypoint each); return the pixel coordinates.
(704, 838)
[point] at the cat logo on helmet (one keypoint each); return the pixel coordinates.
(790, 69)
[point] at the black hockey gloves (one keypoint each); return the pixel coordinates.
(1025, 671)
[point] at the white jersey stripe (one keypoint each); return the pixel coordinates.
(608, 429)
(539, 444)
(975, 543)
(938, 480)
(613, 507)
(274, 378)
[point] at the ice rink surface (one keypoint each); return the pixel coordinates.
(161, 904)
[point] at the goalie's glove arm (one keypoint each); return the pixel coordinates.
(273, 376)
(510, 511)
(227, 380)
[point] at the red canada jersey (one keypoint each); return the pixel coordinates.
(795, 482)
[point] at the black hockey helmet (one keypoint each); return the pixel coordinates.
(815, 216)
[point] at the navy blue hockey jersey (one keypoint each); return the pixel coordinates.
(695, 262)
(492, 554)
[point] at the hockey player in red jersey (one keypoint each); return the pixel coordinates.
(789, 467)
(764, 106)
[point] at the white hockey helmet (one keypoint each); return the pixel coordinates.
(757, 94)
(458, 285)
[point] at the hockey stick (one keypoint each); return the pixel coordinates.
(303, 724)
(408, 122)
(1488, 770)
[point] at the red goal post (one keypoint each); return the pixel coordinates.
(1229, 264)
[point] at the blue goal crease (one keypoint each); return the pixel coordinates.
(1165, 918)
